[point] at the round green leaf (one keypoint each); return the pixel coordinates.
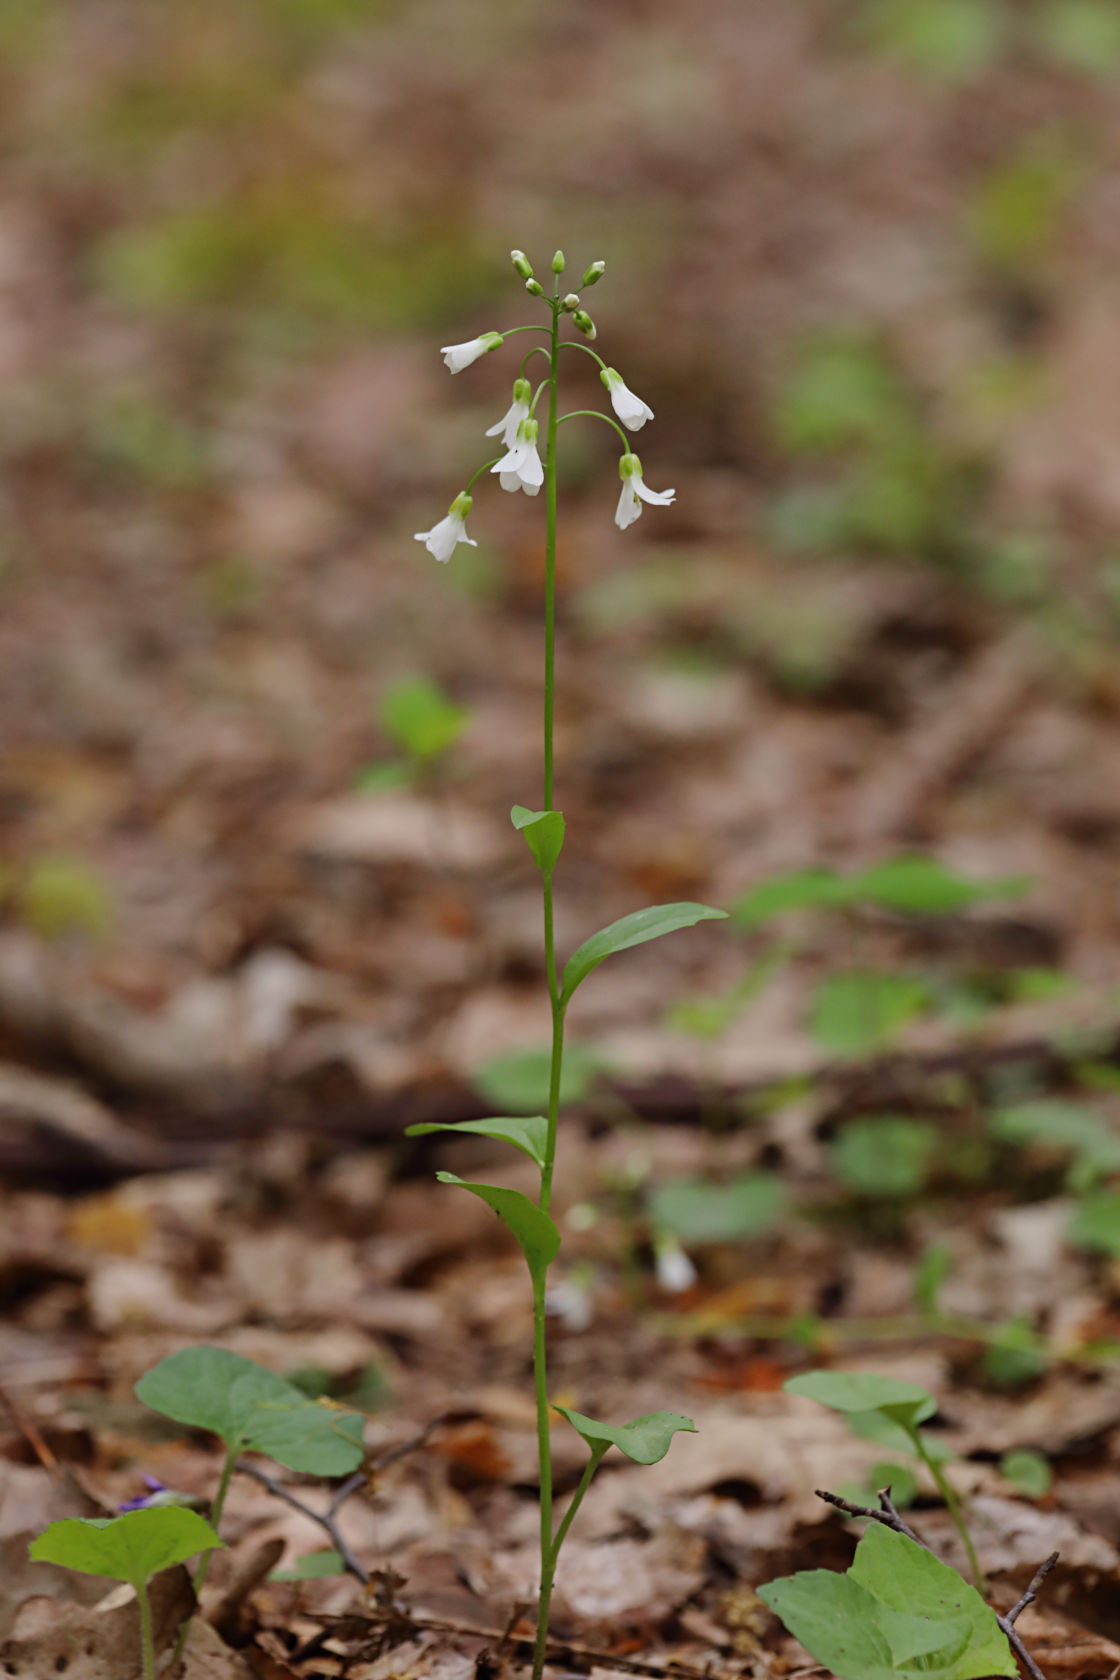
(535, 1231)
(906, 1403)
(129, 1548)
(525, 1131)
(251, 1408)
(699, 1211)
(635, 929)
(646, 1439)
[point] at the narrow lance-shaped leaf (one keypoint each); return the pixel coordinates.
(635, 929)
(536, 1233)
(129, 1548)
(525, 1131)
(251, 1408)
(645, 1439)
(544, 834)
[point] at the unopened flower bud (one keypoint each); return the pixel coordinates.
(584, 322)
(570, 303)
(558, 263)
(522, 264)
(534, 288)
(595, 272)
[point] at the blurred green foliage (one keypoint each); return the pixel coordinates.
(421, 719)
(704, 1211)
(59, 897)
(1082, 35)
(884, 1155)
(1017, 211)
(952, 40)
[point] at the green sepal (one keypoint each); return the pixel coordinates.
(535, 1231)
(635, 929)
(525, 1131)
(544, 834)
(132, 1547)
(645, 1439)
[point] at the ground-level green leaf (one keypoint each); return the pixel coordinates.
(131, 1548)
(535, 1231)
(904, 1576)
(635, 929)
(699, 1211)
(254, 1409)
(525, 1131)
(316, 1566)
(646, 1439)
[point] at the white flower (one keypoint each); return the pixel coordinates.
(510, 423)
(631, 410)
(520, 468)
(460, 356)
(633, 487)
(442, 539)
(675, 1271)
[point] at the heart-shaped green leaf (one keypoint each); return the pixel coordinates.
(525, 1131)
(535, 1231)
(544, 834)
(129, 1548)
(251, 1408)
(646, 1440)
(635, 929)
(898, 1611)
(906, 1403)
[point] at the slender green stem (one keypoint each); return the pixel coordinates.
(593, 1464)
(544, 1459)
(953, 1506)
(574, 344)
(147, 1639)
(540, 1368)
(537, 350)
(485, 467)
(597, 414)
(201, 1572)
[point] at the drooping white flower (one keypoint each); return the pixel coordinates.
(520, 468)
(633, 488)
(517, 411)
(631, 410)
(442, 540)
(675, 1271)
(460, 356)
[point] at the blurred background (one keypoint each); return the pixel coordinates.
(258, 748)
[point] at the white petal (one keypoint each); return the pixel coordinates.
(530, 489)
(531, 470)
(659, 498)
(460, 356)
(631, 410)
(442, 539)
(628, 507)
(508, 480)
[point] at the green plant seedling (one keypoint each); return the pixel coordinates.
(419, 718)
(1095, 1224)
(63, 896)
(519, 1080)
(1082, 35)
(889, 1410)
(898, 1611)
(531, 1085)
(884, 1155)
(1028, 1472)
(316, 1566)
(252, 1410)
(910, 885)
(130, 1548)
(698, 1211)
(860, 1013)
(1067, 1126)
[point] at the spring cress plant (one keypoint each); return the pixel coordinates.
(528, 464)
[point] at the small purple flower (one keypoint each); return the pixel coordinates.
(156, 1495)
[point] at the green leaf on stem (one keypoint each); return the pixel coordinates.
(131, 1548)
(525, 1131)
(535, 1232)
(905, 1403)
(544, 834)
(898, 1611)
(253, 1409)
(634, 929)
(646, 1439)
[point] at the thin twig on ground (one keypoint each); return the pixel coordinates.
(325, 1519)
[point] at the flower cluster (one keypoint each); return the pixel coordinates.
(521, 466)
